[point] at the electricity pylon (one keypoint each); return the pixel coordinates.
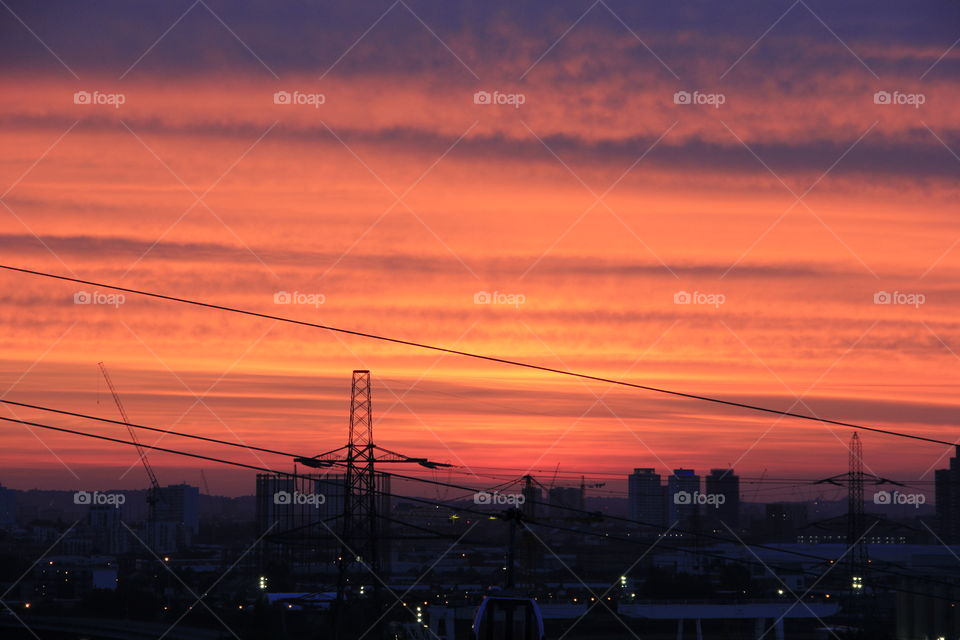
(365, 494)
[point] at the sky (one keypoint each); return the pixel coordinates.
(754, 201)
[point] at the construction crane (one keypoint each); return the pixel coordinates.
(553, 481)
(153, 493)
(759, 484)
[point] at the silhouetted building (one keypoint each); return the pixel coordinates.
(646, 497)
(180, 503)
(683, 491)
(947, 483)
(177, 517)
(106, 531)
(285, 504)
(726, 510)
(563, 500)
(8, 507)
(532, 496)
(300, 522)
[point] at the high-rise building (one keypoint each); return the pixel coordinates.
(180, 503)
(726, 510)
(683, 489)
(646, 497)
(106, 531)
(947, 483)
(563, 499)
(177, 519)
(532, 498)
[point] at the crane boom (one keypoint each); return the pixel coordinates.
(154, 485)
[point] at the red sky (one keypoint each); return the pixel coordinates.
(399, 198)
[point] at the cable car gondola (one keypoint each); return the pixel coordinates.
(508, 618)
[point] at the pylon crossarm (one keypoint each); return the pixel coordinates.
(317, 463)
(393, 456)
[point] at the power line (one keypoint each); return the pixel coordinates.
(478, 356)
(776, 483)
(468, 489)
(146, 428)
(573, 475)
(145, 446)
(464, 509)
(603, 475)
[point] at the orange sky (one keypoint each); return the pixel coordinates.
(398, 199)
